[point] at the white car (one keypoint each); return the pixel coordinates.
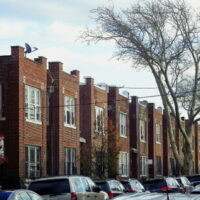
(19, 194)
(67, 188)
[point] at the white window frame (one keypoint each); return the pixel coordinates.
(123, 164)
(69, 111)
(32, 104)
(122, 124)
(143, 166)
(70, 161)
(33, 167)
(158, 133)
(142, 130)
(99, 120)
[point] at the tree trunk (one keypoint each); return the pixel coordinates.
(187, 168)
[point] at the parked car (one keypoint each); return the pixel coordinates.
(111, 187)
(19, 194)
(67, 188)
(132, 185)
(156, 196)
(185, 184)
(194, 179)
(167, 184)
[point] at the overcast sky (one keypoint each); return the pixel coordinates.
(53, 27)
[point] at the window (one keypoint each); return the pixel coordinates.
(199, 144)
(172, 164)
(142, 131)
(123, 163)
(158, 165)
(32, 103)
(32, 161)
(70, 161)
(99, 121)
(143, 166)
(158, 133)
(69, 111)
(122, 124)
(1, 147)
(1, 100)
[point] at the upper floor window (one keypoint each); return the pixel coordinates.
(122, 124)
(158, 133)
(142, 131)
(123, 163)
(32, 103)
(99, 121)
(69, 111)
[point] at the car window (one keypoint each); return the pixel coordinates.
(34, 196)
(55, 186)
(137, 184)
(78, 187)
(156, 184)
(86, 185)
(104, 186)
(23, 196)
(91, 183)
(185, 181)
(114, 186)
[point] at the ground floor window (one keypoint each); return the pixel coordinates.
(33, 168)
(158, 165)
(143, 166)
(123, 163)
(70, 161)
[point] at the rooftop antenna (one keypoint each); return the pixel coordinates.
(28, 49)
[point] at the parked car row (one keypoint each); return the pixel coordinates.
(84, 188)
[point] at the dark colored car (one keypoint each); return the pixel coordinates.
(185, 184)
(194, 179)
(112, 187)
(132, 185)
(168, 184)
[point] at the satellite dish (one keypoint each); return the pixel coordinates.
(28, 49)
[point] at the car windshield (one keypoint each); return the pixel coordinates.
(50, 186)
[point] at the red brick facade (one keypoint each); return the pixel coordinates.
(47, 115)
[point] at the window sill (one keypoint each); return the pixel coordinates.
(158, 142)
(2, 118)
(143, 141)
(123, 136)
(69, 126)
(34, 122)
(123, 175)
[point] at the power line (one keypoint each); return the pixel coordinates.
(109, 102)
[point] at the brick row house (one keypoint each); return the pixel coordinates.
(51, 124)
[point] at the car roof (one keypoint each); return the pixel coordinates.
(57, 178)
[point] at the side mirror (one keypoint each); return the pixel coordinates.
(96, 189)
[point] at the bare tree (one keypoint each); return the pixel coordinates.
(162, 36)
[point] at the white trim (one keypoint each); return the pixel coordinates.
(69, 126)
(34, 121)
